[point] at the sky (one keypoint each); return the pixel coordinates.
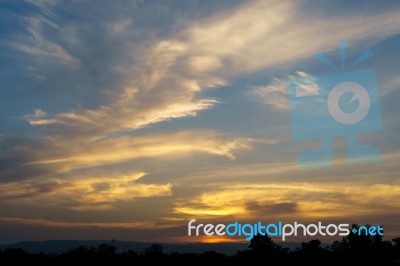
(126, 119)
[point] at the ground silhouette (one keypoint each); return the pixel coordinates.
(353, 249)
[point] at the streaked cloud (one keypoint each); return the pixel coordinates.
(49, 174)
(59, 155)
(306, 200)
(169, 74)
(39, 117)
(125, 115)
(251, 37)
(81, 193)
(43, 3)
(275, 94)
(42, 48)
(119, 27)
(63, 224)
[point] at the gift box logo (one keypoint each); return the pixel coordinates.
(336, 104)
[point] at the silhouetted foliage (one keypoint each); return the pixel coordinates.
(311, 246)
(262, 246)
(131, 253)
(361, 248)
(14, 252)
(263, 243)
(354, 249)
(154, 250)
(106, 250)
(313, 252)
(79, 251)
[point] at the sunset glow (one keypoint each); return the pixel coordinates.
(127, 119)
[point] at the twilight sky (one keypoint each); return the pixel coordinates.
(126, 119)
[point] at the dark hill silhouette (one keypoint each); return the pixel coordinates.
(353, 249)
(62, 246)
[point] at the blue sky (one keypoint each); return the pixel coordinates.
(126, 119)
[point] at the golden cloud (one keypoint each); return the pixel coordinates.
(169, 74)
(63, 224)
(310, 200)
(82, 193)
(64, 157)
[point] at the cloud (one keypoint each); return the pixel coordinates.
(170, 73)
(390, 86)
(64, 224)
(58, 173)
(79, 193)
(62, 156)
(162, 77)
(39, 117)
(43, 3)
(275, 169)
(118, 117)
(157, 94)
(119, 27)
(256, 35)
(40, 47)
(275, 94)
(306, 200)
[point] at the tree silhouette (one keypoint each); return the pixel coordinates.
(106, 250)
(313, 253)
(363, 248)
(361, 243)
(354, 249)
(396, 248)
(14, 252)
(262, 243)
(312, 245)
(155, 250)
(79, 251)
(131, 253)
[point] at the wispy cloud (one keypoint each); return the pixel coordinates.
(170, 73)
(138, 78)
(39, 117)
(275, 93)
(40, 47)
(48, 174)
(119, 27)
(307, 200)
(251, 37)
(59, 155)
(98, 193)
(64, 224)
(43, 3)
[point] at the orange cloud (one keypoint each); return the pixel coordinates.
(206, 239)
(65, 156)
(82, 193)
(307, 200)
(63, 224)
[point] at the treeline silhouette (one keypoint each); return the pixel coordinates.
(351, 250)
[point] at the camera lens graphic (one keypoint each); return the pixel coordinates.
(359, 93)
